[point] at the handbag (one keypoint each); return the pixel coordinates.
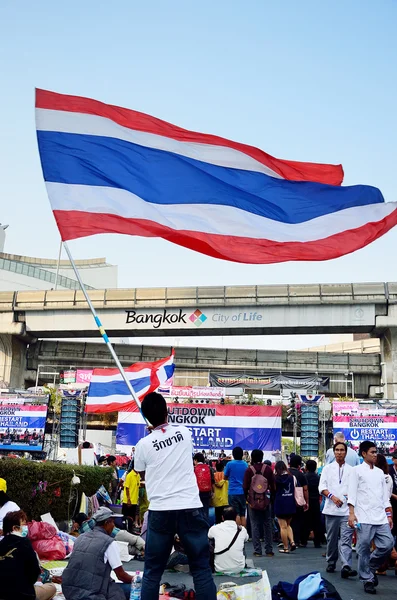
(212, 548)
(299, 495)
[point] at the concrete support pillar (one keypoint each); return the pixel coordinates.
(5, 360)
(12, 361)
(388, 348)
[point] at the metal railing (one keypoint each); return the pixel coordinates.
(253, 295)
(14, 266)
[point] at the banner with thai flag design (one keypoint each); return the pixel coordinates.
(357, 428)
(311, 398)
(112, 170)
(108, 391)
(213, 426)
(22, 427)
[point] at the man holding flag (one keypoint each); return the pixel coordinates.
(165, 457)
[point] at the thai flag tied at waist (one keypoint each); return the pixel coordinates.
(113, 170)
(108, 392)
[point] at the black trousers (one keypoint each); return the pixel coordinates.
(297, 524)
(312, 522)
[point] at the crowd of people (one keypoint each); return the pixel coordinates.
(21, 436)
(281, 507)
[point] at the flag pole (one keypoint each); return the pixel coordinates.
(103, 332)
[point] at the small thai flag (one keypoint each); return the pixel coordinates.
(108, 391)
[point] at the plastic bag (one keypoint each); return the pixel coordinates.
(39, 530)
(260, 590)
(53, 549)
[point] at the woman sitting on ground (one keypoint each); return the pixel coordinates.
(19, 566)
(284, 505)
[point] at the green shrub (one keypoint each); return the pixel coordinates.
(60, 498)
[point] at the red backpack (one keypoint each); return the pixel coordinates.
(203, 476)
(259, 493)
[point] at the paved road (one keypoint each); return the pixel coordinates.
(290, 566)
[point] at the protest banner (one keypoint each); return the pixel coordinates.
(213, 426)
(22, 427)
(178, 391)
(380, 429)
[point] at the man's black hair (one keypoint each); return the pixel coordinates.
(256, 456)
(4, 498)
(219, 466)
(295, 461)
(311, 466)
(238, 453)
(199, 456)
(339, 444)
(154, 409)
(267, 462)
(111, 458)
(365, 446)
(80, 518)
(229, 513)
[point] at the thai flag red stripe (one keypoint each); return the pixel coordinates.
(287, 169)
(74, 224)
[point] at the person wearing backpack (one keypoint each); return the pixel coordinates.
(259, 488)
(205, 481)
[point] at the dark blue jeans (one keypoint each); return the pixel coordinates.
(192, 529)
(126, 587)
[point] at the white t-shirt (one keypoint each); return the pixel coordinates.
(8, 507)
(112, 556)
(166, 458)
(232, 561)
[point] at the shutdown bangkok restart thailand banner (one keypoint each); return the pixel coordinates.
(22, 427)
(359, 425)
(213, 426)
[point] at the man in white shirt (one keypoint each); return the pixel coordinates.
(334, 485)
(352, 458)
(175, 507)
(229, 543)
(371, 513)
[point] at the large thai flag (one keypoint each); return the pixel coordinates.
(108, 391)
(113, 170)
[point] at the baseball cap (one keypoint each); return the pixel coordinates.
(103, 514)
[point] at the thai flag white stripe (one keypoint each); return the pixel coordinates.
(117, 377)
(210, 218)
(71, 122)
(120, 398)
(224, 420)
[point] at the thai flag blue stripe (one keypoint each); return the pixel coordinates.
(116, 388)
(102, 161)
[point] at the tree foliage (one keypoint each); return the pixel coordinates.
(41, 487)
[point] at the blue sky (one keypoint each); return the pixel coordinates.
(309, 80)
